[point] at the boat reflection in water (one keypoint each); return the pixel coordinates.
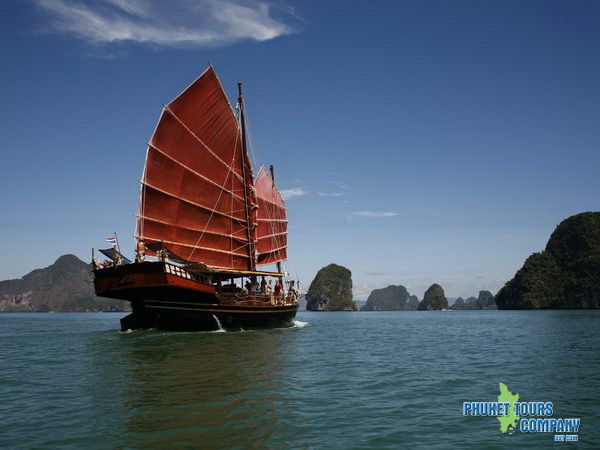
(195, 389)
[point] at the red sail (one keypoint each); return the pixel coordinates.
(193, 186)
(272, 221)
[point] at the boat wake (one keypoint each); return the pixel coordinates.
(221, 329)
(296, 324)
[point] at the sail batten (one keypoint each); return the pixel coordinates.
(195, 173)
(270, 220)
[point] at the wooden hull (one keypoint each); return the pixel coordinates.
(182, 316)
(176, 301)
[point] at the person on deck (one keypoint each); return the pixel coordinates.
(253, 285)
(263, 285)
(140, 252)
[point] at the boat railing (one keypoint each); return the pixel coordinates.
(260, 299)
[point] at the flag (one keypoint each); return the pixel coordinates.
(111, 240)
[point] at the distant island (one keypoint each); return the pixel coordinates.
(486, 300)
(565, 275)
(64, 286)
(391, 298)
(434, 299)
(331, 290)
(397, 298)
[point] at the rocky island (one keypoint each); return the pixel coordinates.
(331, 290)
(434, 299)
(391, 298)
(565, 275)
(64, 286)
(486, 300)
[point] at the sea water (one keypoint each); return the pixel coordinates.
(334, 380)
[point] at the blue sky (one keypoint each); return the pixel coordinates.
(426, 141)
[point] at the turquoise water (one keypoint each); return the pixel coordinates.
(337, 380)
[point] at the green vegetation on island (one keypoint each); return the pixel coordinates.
(565, 275)
(391, 298)
(64, 286)
(331, 290)
(434, 299)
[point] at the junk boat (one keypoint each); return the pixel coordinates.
(207, 224)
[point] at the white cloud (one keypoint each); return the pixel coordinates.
(331, 194)
(174, 23)
(372, 214)
(292, 192)
(340, 185)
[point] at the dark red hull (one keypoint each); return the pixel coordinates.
(166, 297)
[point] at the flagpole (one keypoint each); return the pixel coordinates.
(117, 240)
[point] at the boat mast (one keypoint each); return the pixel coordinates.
(272, 169)
(250, 225)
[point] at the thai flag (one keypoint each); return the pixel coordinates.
(111, 240)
